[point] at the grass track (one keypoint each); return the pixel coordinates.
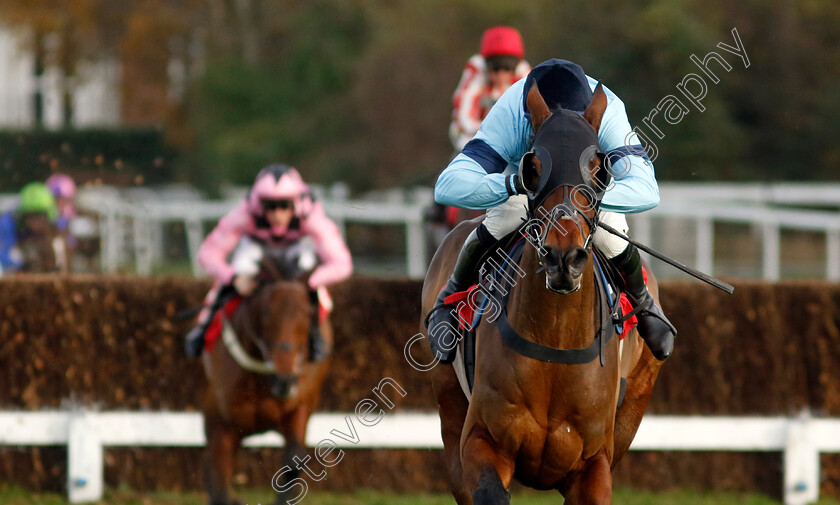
(18, 496)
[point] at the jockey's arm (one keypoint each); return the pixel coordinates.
(475, 179)
(465, 184)
(336, 263)
(214, 251)
(634, 188)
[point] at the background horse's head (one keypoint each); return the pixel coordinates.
(565, 175)
(278, 321)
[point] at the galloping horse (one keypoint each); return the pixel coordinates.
(277, 391)
(547, 424)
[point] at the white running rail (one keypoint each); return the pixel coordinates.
(87, 434)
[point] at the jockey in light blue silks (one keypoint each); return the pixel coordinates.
(484, 176)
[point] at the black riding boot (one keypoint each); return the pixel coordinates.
(654, 327)
(194, 340)
(318, 350)
(464, 276)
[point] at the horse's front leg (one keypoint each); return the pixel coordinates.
(453, 411)
(219, 457)
(293, 429)
(486, 473)
(592, 485)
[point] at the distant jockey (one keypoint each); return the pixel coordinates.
(278, 210)
(487, 75)
(64, 190)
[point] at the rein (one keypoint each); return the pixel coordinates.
(565, 210)
(238, 352)
(240, 355)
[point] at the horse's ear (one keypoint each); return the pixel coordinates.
(537, 107)
(597, 106)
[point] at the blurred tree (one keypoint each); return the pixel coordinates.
(278, 91)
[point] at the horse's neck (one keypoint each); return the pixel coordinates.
(561, 321)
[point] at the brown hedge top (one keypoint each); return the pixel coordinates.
(115, 342)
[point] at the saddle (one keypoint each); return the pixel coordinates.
(496, 280)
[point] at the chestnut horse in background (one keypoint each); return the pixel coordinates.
(549, 425)
(279, 390)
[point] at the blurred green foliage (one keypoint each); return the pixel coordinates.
(362, 91)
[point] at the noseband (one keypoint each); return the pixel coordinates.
(564, 211)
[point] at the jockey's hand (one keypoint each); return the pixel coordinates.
(244, 284)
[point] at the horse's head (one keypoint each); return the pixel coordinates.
(279, 317)
(565, 176)
(283, 314)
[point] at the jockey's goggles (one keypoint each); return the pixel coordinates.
(278, 204)
(499, 63)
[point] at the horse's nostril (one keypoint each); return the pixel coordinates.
(282, 385)
(576, 260)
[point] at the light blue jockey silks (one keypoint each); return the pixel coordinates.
(475, 178)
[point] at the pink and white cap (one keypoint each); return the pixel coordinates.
(64, 189)
(61, 185)
(279, 182)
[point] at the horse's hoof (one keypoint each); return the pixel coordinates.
(491, 491)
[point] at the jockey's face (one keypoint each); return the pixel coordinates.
(279, 213)
(500, 79)
(501, 72)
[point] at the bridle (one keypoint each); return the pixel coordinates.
(563, 211)
(582, 189)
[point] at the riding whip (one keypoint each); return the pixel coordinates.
(685, 268)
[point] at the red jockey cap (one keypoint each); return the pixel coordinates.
(502, 41)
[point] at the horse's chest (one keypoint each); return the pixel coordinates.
(547, 454)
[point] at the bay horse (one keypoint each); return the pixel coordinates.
(262, 380)
(549, 425)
